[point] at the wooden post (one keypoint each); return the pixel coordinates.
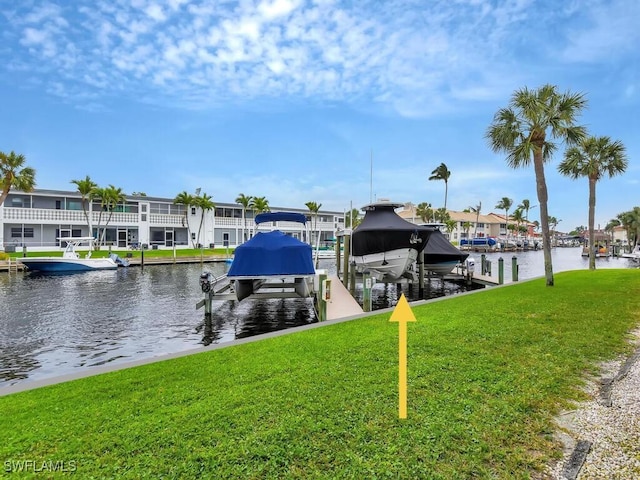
(338, 254)
(483, 264)
(500, 271)
(421, 275)
(321, 297)
(514, 268)
(142, 257)
(347, 254)
(367, 284)
(352, 279)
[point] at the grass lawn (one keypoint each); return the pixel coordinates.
(486, 374)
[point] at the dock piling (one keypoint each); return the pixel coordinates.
(367, 284)
(514, 268)
(500, 271)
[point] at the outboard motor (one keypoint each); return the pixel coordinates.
(205, 281)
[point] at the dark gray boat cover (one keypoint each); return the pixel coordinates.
(439, 250)
(382, 230)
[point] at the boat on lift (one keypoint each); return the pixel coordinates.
(272, 261)
(71, 261)
(387, 245)
(440, 256)
(634, 255)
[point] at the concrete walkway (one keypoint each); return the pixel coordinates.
(342, 304)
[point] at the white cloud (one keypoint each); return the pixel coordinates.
(418, 59)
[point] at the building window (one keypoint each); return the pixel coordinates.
(58, 204)
(16, 232)
(193, 236)
(143, 217)
(193, 210)
(144, 207)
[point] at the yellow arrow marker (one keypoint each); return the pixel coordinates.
(402, 314)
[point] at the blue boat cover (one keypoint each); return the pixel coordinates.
(280, 216)
(272, 253)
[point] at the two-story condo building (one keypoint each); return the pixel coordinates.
(37, 219)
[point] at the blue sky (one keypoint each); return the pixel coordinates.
(291, 99)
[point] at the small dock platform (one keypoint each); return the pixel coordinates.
(341, 304)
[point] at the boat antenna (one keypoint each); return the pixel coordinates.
(371, 178)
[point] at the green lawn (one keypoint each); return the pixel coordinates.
(486, 374)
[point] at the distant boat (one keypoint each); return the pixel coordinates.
(479, 242)
(273, 259)
(387, 245)
(70, 261)
(634, 254)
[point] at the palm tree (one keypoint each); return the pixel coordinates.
(186, 200)
(424, 211)
(518, 217)
(450, 226)
(245, 201)
(525, 129)
(505, 204)
(13, 174)
(466, 226)
(442, 173)
(352, 218)
(86, 188)
(259, 205)
(112, 196)
(204, 203)
(525, 206)
(553, 224)
(594, 157)
(314, 208)
(631, 222)
(441, 215)
(476, 210)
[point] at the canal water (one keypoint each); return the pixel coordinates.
(55, 325)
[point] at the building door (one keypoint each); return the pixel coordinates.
(122, 238)
(168, 238)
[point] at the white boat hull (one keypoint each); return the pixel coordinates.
(442, 268)
(59, 265)
(387, 266)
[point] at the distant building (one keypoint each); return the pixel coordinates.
(38, 218)
(469, 225)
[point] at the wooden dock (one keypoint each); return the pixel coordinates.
(341, 304)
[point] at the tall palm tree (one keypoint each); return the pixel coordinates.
(442, 173)
(112, 197)
(518, 217)
(314, 208)
(13, 174)
(186, 200)
(594, 157)
(476, 210)
(525, 206)
(86, 188)
(204, 203)
(526, 129)
(505, 204)
(245, 201)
